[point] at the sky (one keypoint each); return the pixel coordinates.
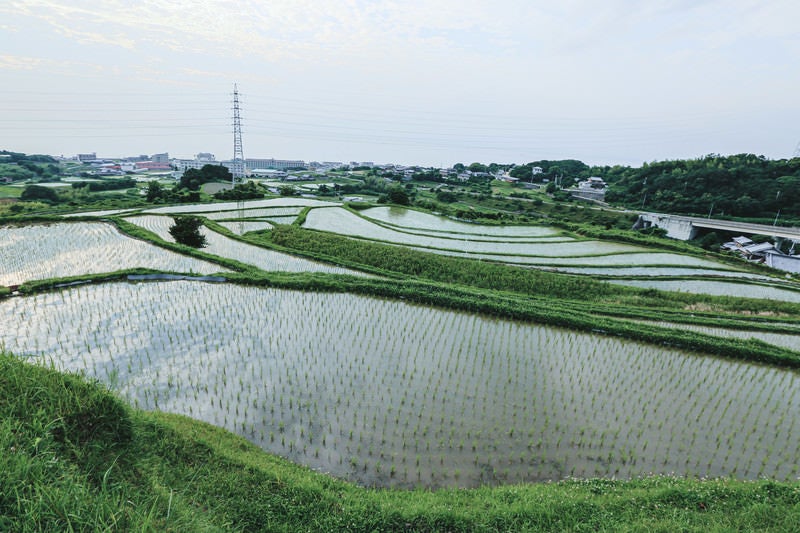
(412, 82)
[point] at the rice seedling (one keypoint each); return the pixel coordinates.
(399, 381)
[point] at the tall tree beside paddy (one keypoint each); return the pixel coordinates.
(186, 231)
(39, 193)
(398, 196)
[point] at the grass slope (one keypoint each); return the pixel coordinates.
(74, 457)
(398, 260)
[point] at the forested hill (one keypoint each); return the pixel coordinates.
(743, 185)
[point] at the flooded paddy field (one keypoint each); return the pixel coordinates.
(338, 220)
(387, 393)
(246, 253)
(240, 227)
(253, 213)
(233, 206)
(717, 288)
(784, 340)
(411, 219)
(41, 251)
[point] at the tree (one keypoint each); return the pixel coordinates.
(287, 190)
(186, 230)
(193, 178)
(241, 191)
(447, 197)
(154, 191)
(398, 196)
(38, 193)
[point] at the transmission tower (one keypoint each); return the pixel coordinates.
(797, 151)
(238, 167)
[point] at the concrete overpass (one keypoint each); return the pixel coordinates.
(686, 228)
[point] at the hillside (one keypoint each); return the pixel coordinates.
(743, 185)
(77, 458)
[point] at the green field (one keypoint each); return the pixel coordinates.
(392, 372)
(10, 191)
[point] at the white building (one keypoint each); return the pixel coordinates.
(185, 164)
(277, 164)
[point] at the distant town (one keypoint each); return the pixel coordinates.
(592, 188)
(747, 195)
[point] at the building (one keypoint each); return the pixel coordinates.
(205, 158)
(277, 164)
(750, 250)
(184, 164)
(87, 157)
(136, 158)
(592, 183)
(268, 173)
(152, 165)
(787, 263)
(160, 158)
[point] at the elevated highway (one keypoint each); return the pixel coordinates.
(686, 228)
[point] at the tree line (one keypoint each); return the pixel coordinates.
(742, 185)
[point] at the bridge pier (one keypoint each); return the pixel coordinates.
(677, 227)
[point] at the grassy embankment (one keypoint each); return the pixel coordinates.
(493, 289)
(384, 258)
(76, 458)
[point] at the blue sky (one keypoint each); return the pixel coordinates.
(435, 83)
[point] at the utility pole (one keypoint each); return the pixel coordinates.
(238, 167)
(644, 193)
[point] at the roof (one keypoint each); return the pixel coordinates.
(759, 248)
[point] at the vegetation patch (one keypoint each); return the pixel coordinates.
(175, 473)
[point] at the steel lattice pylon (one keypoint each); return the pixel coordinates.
(238, 168)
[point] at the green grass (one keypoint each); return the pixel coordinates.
(10, 191)
(76, 458)
(398, 260)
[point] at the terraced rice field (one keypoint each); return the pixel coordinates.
(411, 219)
(233, 206)
(642, 259)
(243, 226)
(253, 213)
(42, 251)
(106, 213)
(540, 247)
(718, 288)
(784, 340)
(644, 271)
(239, 251)
(391, 394)
(338, 220)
